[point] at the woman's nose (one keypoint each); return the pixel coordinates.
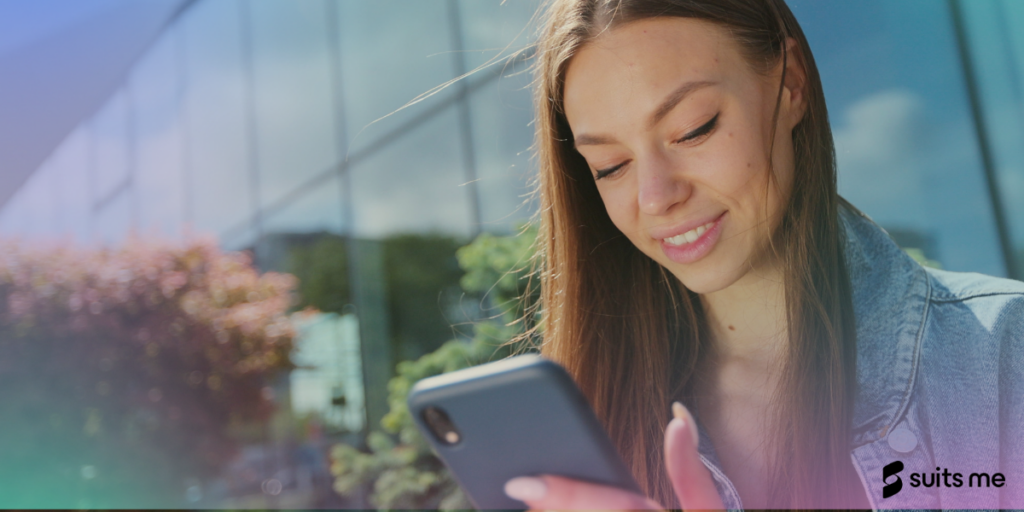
(660, 187)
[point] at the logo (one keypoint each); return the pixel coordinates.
(942, 477)
(892, 469)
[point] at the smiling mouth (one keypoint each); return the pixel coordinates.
(690, 236)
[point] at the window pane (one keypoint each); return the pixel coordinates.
(156, 96)
(302, 221)
(243, 238)
(71, 186)
(110, 135)
(502, 136)
(113, 221)
(215, 108)
(12, 218)
(318, 209)
(413, 186)
(997, 54)
(391, 52)
(491, 26)
(329, 383)
(293, 96)
(38, 205)
(907, 152)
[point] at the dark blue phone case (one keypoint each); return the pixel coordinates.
(517, 417)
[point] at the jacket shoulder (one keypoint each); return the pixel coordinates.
(960, 286)
(969, 389)
(978, 309)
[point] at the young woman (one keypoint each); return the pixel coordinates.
(696, 251)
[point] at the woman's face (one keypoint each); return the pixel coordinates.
(675, 126)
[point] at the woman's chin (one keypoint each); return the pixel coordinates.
(708, 281)
(701, 284)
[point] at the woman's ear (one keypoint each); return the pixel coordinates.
(794, 94)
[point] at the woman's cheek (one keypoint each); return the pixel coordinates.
(621, 205)
(739, 169)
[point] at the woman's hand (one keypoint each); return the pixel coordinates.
(690, 479)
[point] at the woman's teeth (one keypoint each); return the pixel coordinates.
(690, 236)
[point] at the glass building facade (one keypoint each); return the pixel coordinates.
(291, 128)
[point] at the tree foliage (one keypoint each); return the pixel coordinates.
(122, 371)
(398, 469)
(322, 270)
(420, 276)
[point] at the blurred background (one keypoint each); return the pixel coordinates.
(220, 233)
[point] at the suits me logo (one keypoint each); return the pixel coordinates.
(942, 477)
(892, 469)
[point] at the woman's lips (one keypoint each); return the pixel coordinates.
(691, 251)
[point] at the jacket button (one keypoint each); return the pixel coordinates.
(902, 440)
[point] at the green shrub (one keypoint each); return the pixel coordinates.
(399, 470)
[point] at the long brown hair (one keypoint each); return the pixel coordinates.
(631, 335)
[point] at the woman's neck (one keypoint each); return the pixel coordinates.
(747, 322)
(737, 381)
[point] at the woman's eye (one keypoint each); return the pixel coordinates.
(703, 130)
(601, 173)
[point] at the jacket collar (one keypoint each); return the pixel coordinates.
(891, 293)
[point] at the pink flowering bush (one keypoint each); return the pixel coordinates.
(122, 371)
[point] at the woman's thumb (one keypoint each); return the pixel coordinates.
(690, 479)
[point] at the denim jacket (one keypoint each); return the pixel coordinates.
(940, 373)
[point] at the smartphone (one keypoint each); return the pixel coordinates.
(520, 416)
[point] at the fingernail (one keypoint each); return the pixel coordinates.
(681, 413)
(526, 488)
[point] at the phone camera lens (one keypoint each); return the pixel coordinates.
(441, 425)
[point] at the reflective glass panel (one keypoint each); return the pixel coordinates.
(414, 186)
(502, 135)
(996, 47)
(293, 94)
(110, 132)
(39, 206)
(242, 238)
(299, 223)
(328, 385)
(316, 209)
(217, 159)
(907, 151)
(12, 218)
(495, 28)
(391, 52)
(156, 85)
(69, 165)
(113, 222)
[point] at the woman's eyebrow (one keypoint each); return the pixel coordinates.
(591, 140)
(666, 106)
(673, 99)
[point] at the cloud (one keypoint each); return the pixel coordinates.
(883, 126)
(909, 172)
(878, 148)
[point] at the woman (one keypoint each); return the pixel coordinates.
(696, 251)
